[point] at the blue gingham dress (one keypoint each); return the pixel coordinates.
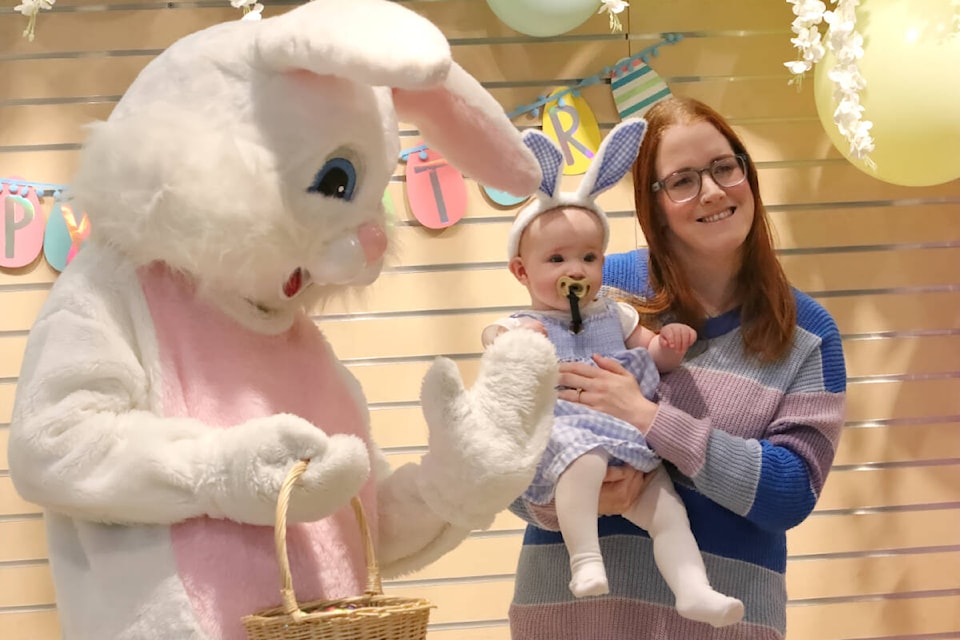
(578, 429)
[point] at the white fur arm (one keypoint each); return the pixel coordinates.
(85, 439)
(486, 442)
(411, 535)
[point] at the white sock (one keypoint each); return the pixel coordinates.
(589, 576)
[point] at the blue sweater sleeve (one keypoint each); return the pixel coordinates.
(627, 271)
(784, 495)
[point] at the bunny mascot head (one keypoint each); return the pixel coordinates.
(173, 376)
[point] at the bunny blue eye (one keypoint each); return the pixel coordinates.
(336, 179)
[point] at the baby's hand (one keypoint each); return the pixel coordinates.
(533, 325)
(677, 337)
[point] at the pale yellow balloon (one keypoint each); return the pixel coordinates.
(911, 64)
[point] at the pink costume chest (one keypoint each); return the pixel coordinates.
(218, 372)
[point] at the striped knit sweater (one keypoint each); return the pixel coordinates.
(748, 446)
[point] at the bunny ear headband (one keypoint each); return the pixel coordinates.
(616, 155)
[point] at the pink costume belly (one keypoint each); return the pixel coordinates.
(216, 371)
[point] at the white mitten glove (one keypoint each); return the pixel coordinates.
(247, 464)
(485, 443)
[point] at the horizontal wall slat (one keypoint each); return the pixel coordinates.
(903, 356)
(835, 181)
(66, 78)
(724, 55)
(873, 532)
(924, 617)
(881, 618)
(853, 534)
(855, 314)
(374, 337)
(650, 16)
(868, 488)
(43, 124)
(900, 443)
(806, 579)
(32, 585)
(422, 291)
(29, 625)
(7, 392)
(111, 30)
(22, 540)
(888, 356)
(918, 399)
(846, 489)
(930, 399)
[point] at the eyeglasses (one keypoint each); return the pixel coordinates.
(683, 186)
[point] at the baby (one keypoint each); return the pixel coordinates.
(556, 249)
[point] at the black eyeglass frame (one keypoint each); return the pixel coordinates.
(742, 158)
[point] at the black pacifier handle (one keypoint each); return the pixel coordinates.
(576, 321)
(573, 290)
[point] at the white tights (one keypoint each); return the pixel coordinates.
(661, 513)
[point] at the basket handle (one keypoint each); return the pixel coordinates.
(287, 594)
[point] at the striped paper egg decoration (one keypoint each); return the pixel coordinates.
(636, 87)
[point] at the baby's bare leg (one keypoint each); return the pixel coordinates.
(661, 512)
(578, 490)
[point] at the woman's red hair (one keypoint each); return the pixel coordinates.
(768, 308)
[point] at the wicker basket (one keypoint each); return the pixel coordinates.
(372, 616)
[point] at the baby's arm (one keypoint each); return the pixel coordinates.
(669, 346)
(491, 331)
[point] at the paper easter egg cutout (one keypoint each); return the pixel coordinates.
(569, 121)
(436, 190)
(21, 225)
(636, 87)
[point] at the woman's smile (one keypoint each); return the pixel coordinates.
(717, 217)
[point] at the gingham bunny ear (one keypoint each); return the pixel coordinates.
(549, 157)
(616, 155)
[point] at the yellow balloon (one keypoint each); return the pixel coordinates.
(911, 64)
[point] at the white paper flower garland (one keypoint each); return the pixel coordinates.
(30, 9)
(846, 45)
(614, 7)
(252, 9)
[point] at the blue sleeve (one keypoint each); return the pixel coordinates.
(785, 496)
(627, 271)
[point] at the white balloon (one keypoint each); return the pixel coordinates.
(542, 18)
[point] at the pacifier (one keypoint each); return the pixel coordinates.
(573, 290)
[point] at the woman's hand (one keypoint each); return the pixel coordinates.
(608, 388)
(621, 488)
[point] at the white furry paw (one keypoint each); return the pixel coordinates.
(256, 456)
(485, 442)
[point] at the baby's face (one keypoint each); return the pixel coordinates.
(564, 242)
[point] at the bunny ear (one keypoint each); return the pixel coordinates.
(382, 43)
(373, 42)
(461, 120)
(549, 157)
(616, 155)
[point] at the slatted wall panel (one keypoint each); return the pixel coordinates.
(880, 558)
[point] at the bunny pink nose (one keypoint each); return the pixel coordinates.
(373, 239)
